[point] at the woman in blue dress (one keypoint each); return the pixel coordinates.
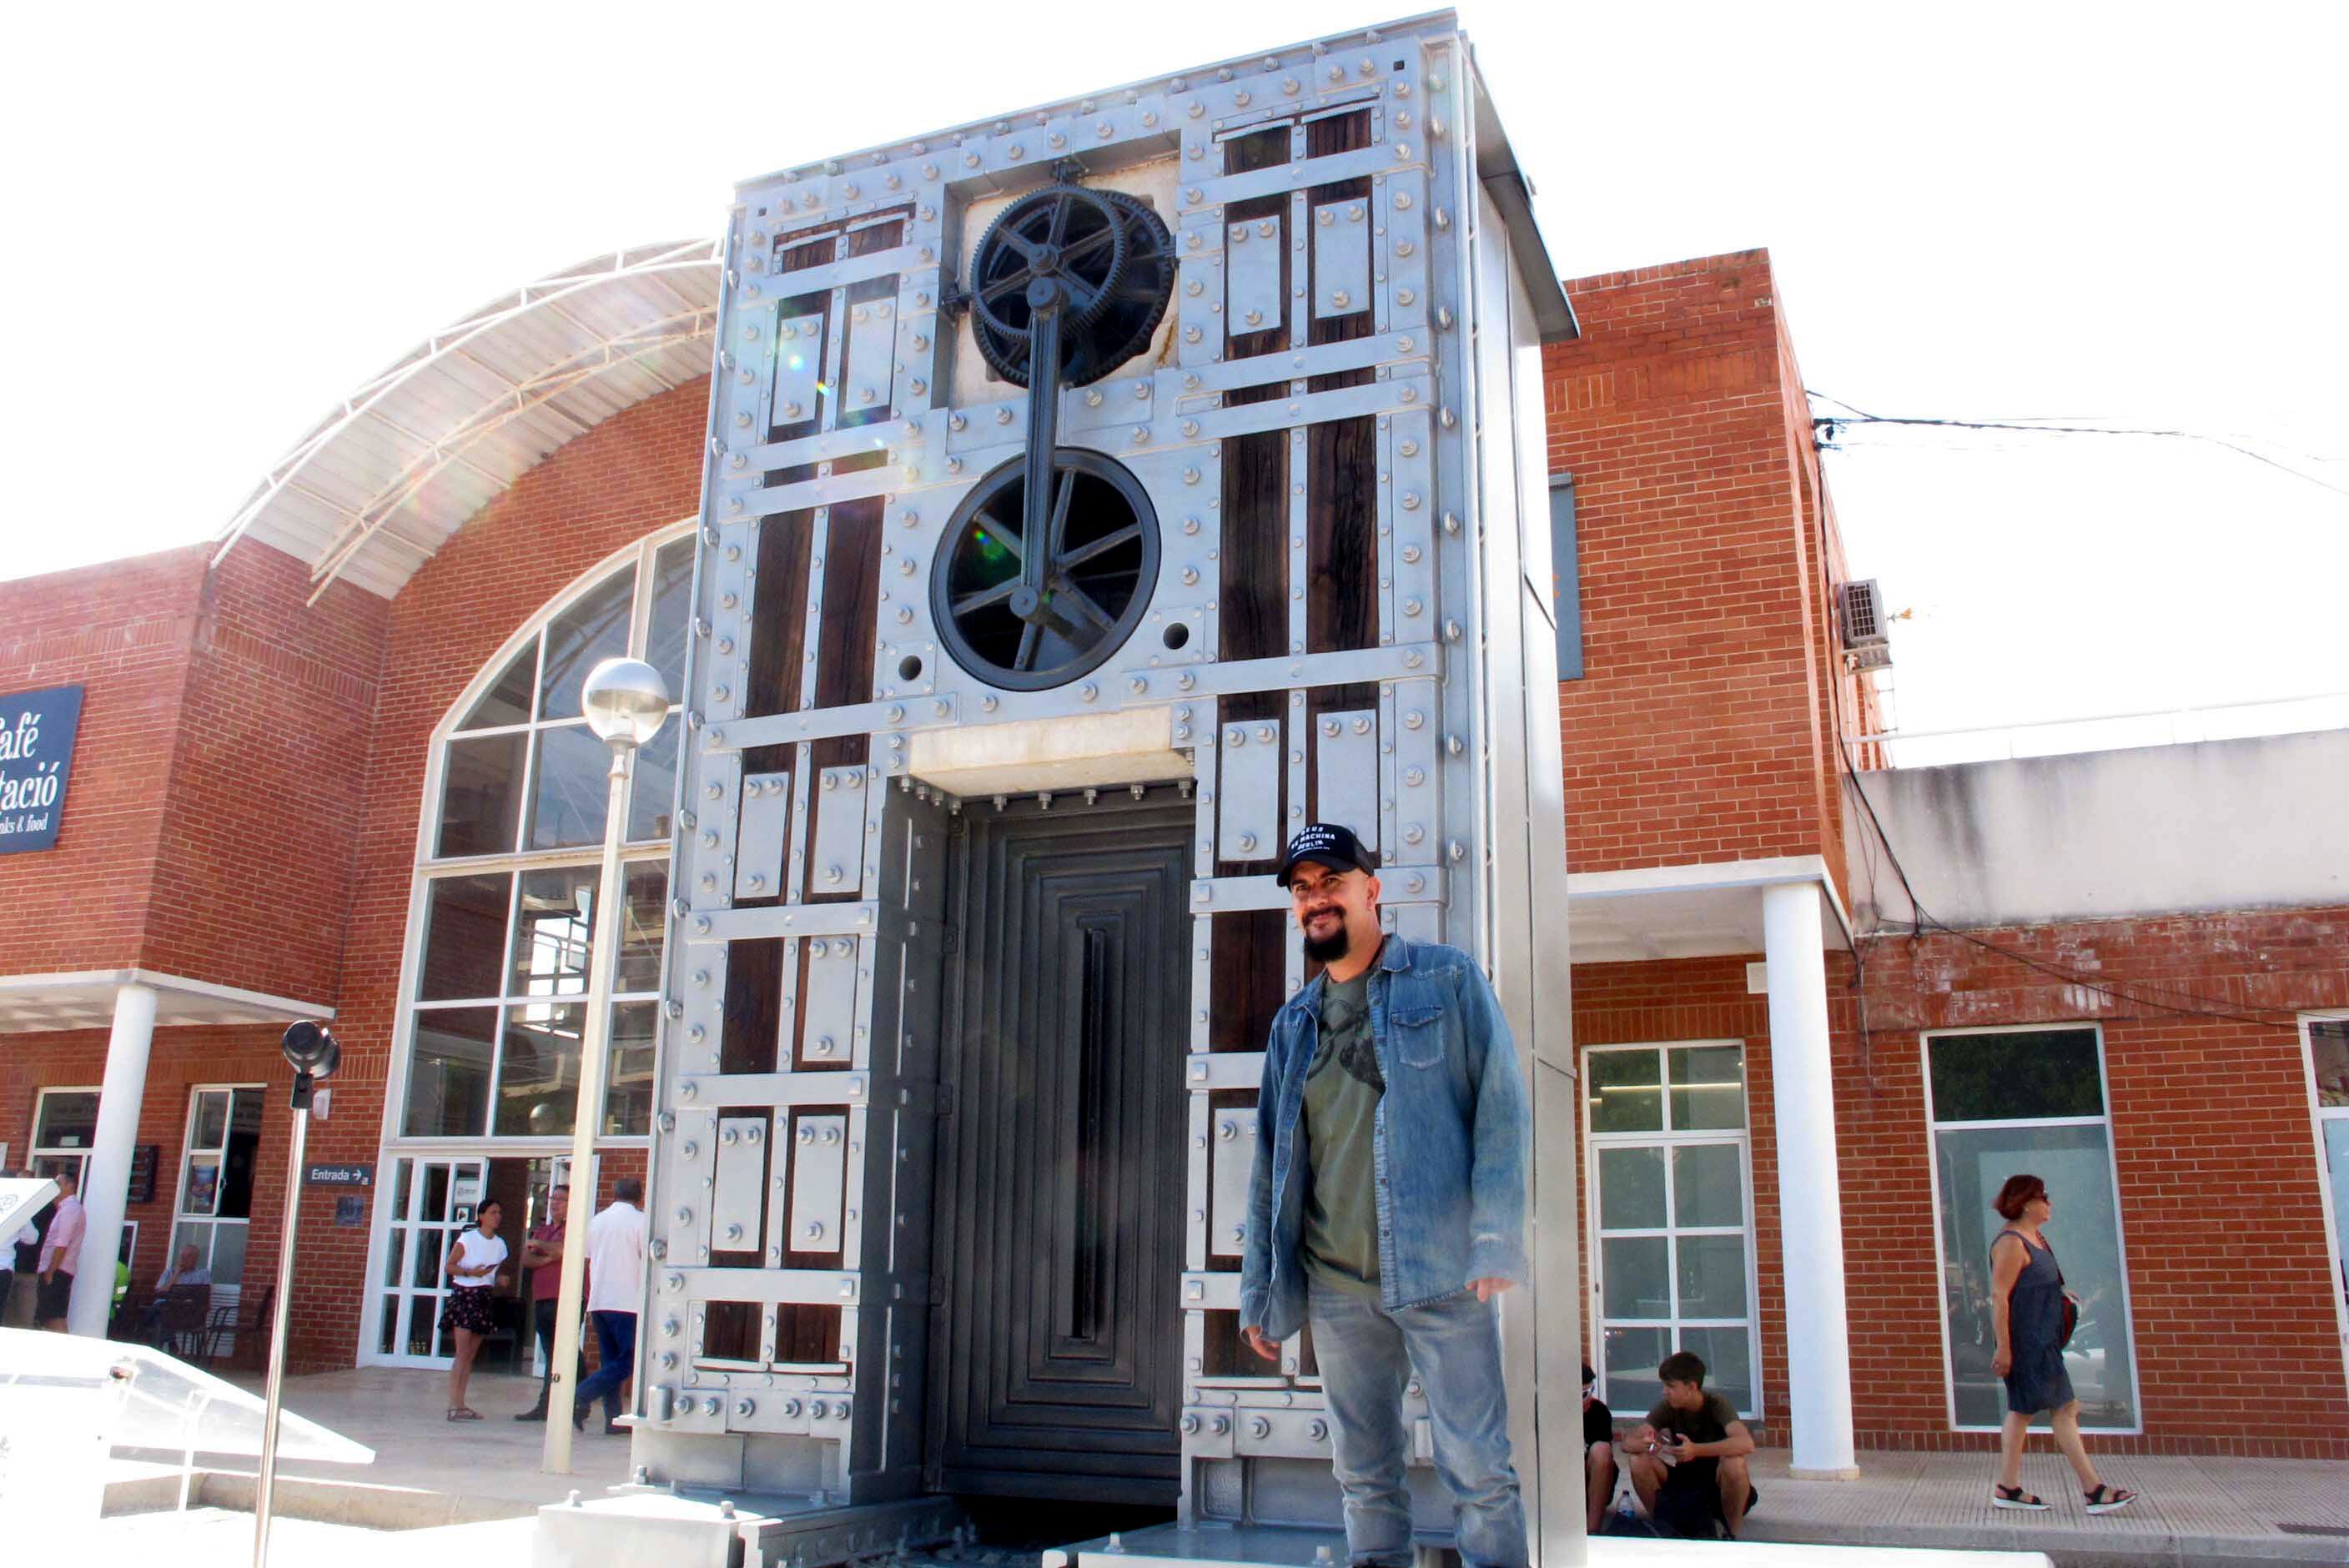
(2026, 1298)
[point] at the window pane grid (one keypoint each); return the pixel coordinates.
(1665, 1284)
(519, 1016)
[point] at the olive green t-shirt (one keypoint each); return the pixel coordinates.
(1342, 1088)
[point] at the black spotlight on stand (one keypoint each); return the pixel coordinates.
(313, 1054)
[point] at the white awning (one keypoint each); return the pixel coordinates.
(1710, 910)
(85, 1000)
(375, 487)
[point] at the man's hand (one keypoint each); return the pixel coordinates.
(1267, 1348)
(1490, 1286)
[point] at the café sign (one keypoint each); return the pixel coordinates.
(36, 740)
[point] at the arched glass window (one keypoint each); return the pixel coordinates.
(508, 866)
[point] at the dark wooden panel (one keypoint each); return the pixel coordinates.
(779, 615)
(1056, 1359)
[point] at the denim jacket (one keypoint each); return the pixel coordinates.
(1449, 1141)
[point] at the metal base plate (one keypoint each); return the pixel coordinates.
(698, 1528)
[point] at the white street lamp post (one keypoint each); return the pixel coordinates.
(626, 703)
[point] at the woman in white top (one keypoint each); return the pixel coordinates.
(470, 1268)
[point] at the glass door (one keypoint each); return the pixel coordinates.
(1672, 1243)
(213, 1212)
(432, 1199)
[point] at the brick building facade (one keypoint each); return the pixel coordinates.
(258, 777)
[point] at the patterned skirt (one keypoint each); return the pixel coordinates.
(468, 1307)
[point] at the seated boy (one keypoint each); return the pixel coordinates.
(1689, 1460)
(1598, 1450)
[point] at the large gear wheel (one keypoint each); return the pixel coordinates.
(1065, 232)
(1105, 327)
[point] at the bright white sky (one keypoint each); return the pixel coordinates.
(225, 218)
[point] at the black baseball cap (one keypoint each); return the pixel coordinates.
(1326, 844)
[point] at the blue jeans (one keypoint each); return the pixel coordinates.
(1366, 1354)
(615, 1343)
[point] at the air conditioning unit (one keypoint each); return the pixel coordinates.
(1865, 646)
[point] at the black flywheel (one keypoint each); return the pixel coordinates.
(1027, 614)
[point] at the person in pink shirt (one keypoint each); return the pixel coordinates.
(61, 1255)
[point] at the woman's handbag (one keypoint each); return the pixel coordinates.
(2071, 1305)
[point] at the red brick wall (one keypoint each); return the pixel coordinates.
(1699, 730)
(124, 632)
(2231, 1283)
(207, 823)
(259, 828)
(636, 472)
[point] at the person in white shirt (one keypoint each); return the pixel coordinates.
(472, 1268)
(615, 1264)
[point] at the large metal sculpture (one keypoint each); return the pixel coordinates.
(1094, 496)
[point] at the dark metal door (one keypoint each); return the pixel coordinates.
(1056, 1339)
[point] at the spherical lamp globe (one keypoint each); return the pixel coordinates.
(626, 702)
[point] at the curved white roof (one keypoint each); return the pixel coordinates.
(374, 489)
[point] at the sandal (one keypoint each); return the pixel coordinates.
(2105, 1498)
(463, 1413)
(2015, 1497)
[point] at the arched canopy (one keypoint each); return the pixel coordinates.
(375, 487)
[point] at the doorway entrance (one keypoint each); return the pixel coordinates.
(433, 1200)
(1056, 1349)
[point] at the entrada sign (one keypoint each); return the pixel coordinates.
(348, 1174)
(36, 740)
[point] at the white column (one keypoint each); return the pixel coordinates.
(1810, 1201)
(107, 1179)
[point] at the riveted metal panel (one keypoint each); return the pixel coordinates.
(1402, 210)
(839, 855)
(868, 380)
(1410, 607)
(1346, 769)
(1233, 1158)
(819, 1176)
(828, 1005)
(1252, 295)
(759, 845)
(1248, 820)
(737, 1200)
(1342, 258)
(1411, 727)
(689, 1167)
(799, 365)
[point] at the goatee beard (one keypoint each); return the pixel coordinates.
(1327, 949)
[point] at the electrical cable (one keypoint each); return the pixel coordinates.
(1920, 917)
(1859, 416)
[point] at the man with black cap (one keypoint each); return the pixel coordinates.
(1387, 1203)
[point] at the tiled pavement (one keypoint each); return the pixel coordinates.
(2194, 1511)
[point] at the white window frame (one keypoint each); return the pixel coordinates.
(176, 1218)
(1592, 1142)
(429, 867)
(40, 1150)
(1924, 1039)
(2318, 1115)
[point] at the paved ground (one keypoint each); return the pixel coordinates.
(2195, 1510)
(491, 1464)
(217, 1538)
